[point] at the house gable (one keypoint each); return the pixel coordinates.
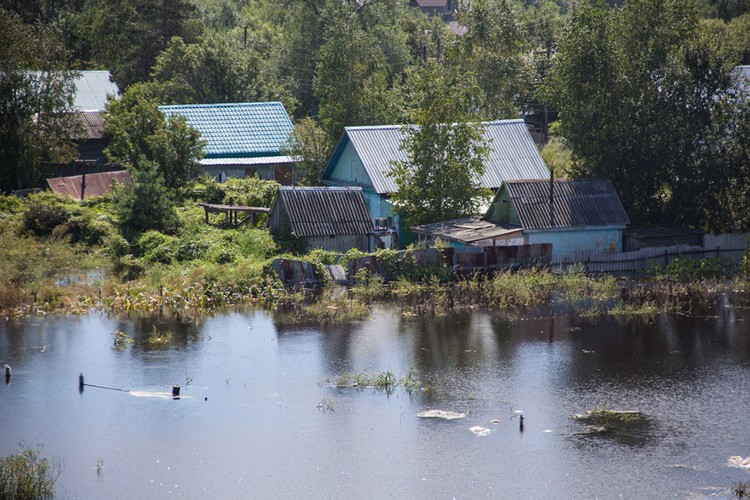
(513, 155)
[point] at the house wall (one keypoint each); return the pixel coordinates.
(270, 172)
(501, 211)
(340, 243)
(349, 169)
(576, 240)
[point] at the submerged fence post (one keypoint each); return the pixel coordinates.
(80, 383)
(175, 391)
(8, 373)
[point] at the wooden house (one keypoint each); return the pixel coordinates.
(331, 218)
(364, 156)
(243, 139)
(92, 92)
(571, 214)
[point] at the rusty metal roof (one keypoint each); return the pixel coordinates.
(324, 211)
(576, 202)
(512, 156)
(96, 184)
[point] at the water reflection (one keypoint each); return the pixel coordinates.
(249, 413)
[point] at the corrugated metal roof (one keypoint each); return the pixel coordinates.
(512, 156)
(92, 125)
(96, 184)
(467, 229)
(92, 89)
(239, 129)
(324, 211)
(262, 160)
(577, 203)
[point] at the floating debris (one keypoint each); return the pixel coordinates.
(479, 430)
(495, 421)
(445, 415)
(739, 462)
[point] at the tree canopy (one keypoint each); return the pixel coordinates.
(445, 147)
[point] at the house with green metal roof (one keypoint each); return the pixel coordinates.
(364, 156)
(242, 139)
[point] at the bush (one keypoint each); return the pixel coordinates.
(256, 243)
(154, 246)
(44, 214)
(24, 475)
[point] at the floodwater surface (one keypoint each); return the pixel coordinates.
(262, 412)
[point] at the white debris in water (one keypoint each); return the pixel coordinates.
(445, 415)
(737, 461)
(479, 431)
(547, 430)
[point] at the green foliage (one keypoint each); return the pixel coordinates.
(45, 213)
(250, 191)
(146, 204)
(126, 37)
(493, 50)
(351, 76)
(36, 123)
(312, 148)
(445, 148)
(139, 130)
(644, 99)
(25, 475)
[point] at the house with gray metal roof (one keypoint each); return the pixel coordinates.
(92, 92)
(242, 139)
(364, 156)
(331, 218)
(573, 215)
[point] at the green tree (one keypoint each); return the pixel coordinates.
(36, 100)
(351, 77)
(126, 37)
(146, 203)
(640, 92)
(311, 147)
(138, 129)
(494, 50)
(446, 150)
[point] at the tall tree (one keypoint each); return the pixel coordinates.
(446, 150)
(126, 37)
(351, 75)
(494, 51)
(311, 147)
(639, 91)
(36, 100)
(139, 130)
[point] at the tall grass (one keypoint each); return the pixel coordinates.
(25, 475)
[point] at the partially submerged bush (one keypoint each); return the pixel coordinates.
(26, 475)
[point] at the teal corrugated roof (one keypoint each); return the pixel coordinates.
(238, 130)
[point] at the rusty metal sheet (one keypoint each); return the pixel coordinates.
(89, 185)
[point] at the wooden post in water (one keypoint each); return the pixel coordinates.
(520, 425)
(175, 391)
(80, 383)
(8, 373)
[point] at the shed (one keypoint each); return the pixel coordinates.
(571, 214)
(243, 139)
(92, 92)
(331, 218)
(661, 236)
(364, 156)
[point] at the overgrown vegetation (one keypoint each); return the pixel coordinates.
(61, 255)
(26, 475)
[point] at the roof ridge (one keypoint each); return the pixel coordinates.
(220, 104)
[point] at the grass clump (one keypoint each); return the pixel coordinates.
(26, 475)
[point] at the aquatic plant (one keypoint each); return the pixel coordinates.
(326, 405)
(121, 339)
(158, 338)
(26, 475)
(741, 489)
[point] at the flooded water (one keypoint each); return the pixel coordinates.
(261, 416)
